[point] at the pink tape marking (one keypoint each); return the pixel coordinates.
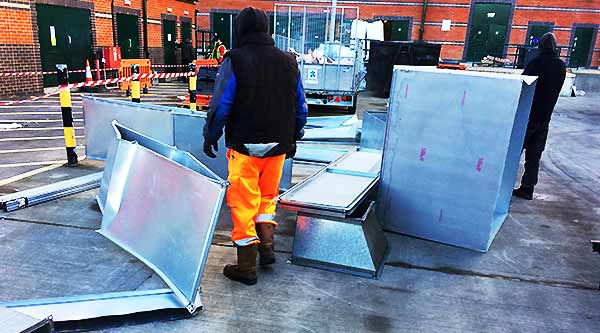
(406, 91)
(479, 164)
(423, 153)
(462, 102)
(441, 219)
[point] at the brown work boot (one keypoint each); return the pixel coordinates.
(266, 249)
(245, 270)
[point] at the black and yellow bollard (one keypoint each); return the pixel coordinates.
(135, 83)
(67, 115)
(192, 88)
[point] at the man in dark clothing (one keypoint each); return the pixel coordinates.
(551, 72)
(260, 101)
(187, 52)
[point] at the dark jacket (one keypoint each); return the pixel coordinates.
(258, 94)
(551, 73)
(187, 53)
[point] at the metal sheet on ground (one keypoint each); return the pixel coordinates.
(338, 188)
(162, 212)
(13, 321)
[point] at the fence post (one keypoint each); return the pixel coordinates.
(192, 88)
(135, 83)
(67, 115)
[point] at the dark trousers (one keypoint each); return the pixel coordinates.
(534, 145)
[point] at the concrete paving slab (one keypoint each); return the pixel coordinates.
(39, 261)
(293, 298)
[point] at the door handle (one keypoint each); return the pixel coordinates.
(130, 46)
(69, 37)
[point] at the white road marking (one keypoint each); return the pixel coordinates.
(30, 150)
(29, 174)
(39, 129)
(36, 120)
(37, 138)
(35, 113)
(16, 165)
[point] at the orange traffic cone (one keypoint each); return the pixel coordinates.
(88, 72)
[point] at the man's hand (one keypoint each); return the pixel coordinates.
(208, 149)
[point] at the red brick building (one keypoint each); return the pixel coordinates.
(477, 27)
(35, 35)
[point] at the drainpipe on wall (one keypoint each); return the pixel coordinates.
(196, 29)
(423, 17)
(114, 28)
(145, 16)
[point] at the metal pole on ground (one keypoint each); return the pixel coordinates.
(67, 115)
(192, 88)
(135, 83)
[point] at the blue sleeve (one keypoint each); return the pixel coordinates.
(221, 102)
(301, 109)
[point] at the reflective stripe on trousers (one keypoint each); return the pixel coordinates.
(252, 193)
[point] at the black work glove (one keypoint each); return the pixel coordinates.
(208, 149)
(291, 153)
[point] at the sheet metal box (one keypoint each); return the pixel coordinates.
(452, 152)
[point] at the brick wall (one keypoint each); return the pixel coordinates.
(564, 13)
(19, 45)
(19, 49)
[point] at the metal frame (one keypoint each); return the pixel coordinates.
(325, 209)
(593, 42)
(513, 4)
(46, 193)
(319, 96)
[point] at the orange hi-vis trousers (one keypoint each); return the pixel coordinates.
(254, 186)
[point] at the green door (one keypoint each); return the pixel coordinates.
(169, 47)
(396, 30)
(536, 31)
(128, 36)
(223, 27)
(582, 42)
(186, 31)
(65, 38)
(489, 26)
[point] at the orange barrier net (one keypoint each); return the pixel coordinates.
(125, 71)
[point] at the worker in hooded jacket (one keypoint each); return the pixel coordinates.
(551, 73)
(260, 102)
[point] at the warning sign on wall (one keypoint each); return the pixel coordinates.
(52, 36)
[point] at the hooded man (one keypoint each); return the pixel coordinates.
(260, 101)
(551, 73)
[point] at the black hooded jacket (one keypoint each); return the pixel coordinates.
(551, 73)
(268, 104)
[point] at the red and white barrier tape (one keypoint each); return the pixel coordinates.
(100, 83)
(168, 66)
(21, 74)
(31, 99)
(124, 79)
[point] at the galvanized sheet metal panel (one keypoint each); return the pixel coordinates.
(163, 212)
(154, 121)
(451, 153)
